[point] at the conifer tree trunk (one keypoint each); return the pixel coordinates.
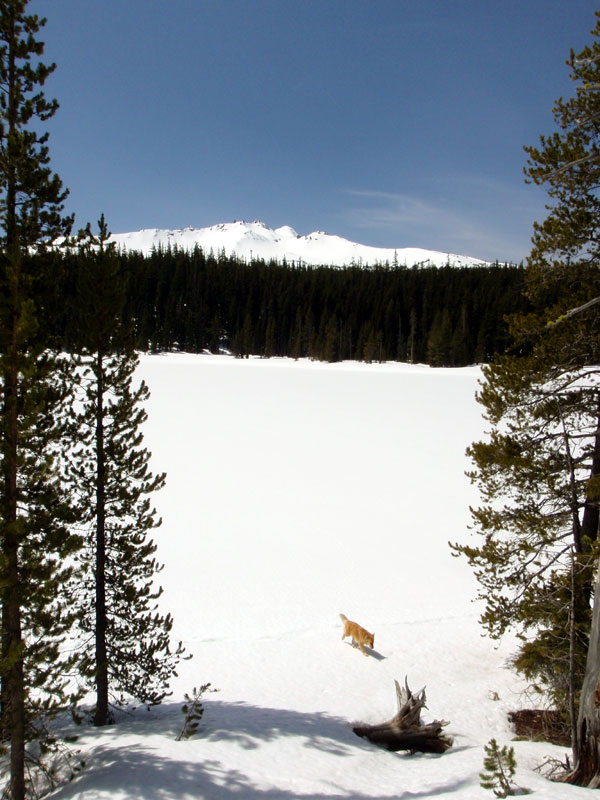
(11, 599)
(590, 524)
(587, 740)
(101, 714)
(13, 714)
(587, 766)
(572, 666)
(30, 509)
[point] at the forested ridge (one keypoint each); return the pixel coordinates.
(193, 301)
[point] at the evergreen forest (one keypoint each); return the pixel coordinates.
(195, 302)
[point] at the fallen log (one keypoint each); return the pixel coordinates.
(405, 731)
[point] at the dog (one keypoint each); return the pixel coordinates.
(359, 635)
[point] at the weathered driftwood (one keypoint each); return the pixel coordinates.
(405, 731)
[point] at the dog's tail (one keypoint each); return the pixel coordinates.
(344, 618)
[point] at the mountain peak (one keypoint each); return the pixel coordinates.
(256, 240)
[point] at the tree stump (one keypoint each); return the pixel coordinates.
(405, 731)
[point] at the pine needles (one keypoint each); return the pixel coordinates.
(193, 710)
(499, 765)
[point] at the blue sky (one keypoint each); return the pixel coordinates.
(395, 123)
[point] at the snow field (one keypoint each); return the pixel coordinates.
(296, 491)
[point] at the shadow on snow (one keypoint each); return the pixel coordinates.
(139, 770)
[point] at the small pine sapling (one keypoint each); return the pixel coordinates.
(500, 766)
(193, 710)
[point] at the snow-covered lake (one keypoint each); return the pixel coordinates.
(296, 491)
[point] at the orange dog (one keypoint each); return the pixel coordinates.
(359, 635)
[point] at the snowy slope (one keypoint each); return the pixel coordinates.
(296, 491)
(255, 239)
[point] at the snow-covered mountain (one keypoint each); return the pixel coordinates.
(256, 240)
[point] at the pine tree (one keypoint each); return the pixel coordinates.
(329, 336)
(563, 274)
(270, 348)
(461, 348)
(295, 348)
(34, 539)
(535, 473)
(539, 472)
(412, 337)
(439, 340)
(126, 642)
(499, 764)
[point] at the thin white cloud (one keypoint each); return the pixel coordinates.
(471, 223)
(394, 209)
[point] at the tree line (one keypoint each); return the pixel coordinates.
(195, 302)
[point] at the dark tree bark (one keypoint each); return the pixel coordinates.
(101, 716)
(587, 765)
(586, 744)
(31, 200)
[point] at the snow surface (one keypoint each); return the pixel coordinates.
(256, 240)
(297, 491)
